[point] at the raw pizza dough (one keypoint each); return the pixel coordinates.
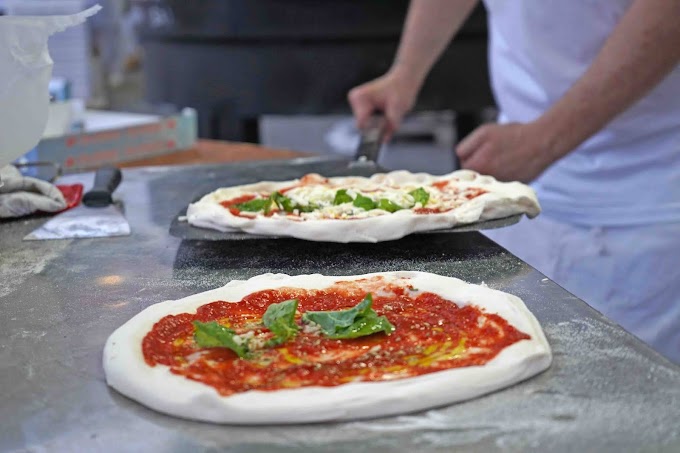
(500, 200)
(158, 388)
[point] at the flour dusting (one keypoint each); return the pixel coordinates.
(575, 403)
(27, 260)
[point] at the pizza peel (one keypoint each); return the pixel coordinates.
(180, 228)
(365, 164)
(371, 139)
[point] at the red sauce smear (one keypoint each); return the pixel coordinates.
(237, 200)
(432, 334)
(288, 189)
(430, 210)
(473, 192)
(231, 205)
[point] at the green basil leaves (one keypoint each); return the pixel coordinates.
(358, 321)
(214, 335)
(280, 319)
(282, 201)
(387, 205)
(420, 195)
(277, 198)
(364, 202)
(259, 204)
(341, 196)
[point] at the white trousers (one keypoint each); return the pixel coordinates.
(630, 274)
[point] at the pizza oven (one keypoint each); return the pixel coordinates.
(236, 60)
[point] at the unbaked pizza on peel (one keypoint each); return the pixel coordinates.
(384, 207)
(310, 348)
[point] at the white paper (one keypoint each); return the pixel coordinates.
(25, 71)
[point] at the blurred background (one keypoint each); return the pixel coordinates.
(272, 72)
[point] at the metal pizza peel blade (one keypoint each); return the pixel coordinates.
(97, 216)
(371, 140)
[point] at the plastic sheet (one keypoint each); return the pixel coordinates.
(25, 71)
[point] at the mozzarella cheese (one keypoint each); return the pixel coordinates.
(321, 197)
(316, 195)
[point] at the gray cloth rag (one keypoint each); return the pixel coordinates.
(22, 195)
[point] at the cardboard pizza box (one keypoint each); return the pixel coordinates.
(108, 138)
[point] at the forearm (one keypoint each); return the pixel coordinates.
(429, 27)
(643, 48)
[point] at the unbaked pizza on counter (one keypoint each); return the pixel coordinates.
(310, 348)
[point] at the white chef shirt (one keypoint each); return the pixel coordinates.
(629, 172)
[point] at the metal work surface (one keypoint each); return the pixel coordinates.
(60, 300)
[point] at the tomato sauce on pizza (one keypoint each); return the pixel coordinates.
(430, 334)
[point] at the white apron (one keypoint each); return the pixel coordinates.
(610, 227)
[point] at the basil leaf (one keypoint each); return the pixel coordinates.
(329, 321)
(364, 202)
(280, 319)
(341, 197)
(420, 195)
(214, 335)
(282, 201)
(308, 208)
(259, 204)
(387, 205)
(364, 326)
(358, 321)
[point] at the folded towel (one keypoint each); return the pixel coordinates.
(22, 195)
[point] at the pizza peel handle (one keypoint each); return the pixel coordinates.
(106, 180)
(371, 140)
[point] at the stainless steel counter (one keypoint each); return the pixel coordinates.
(60, 300)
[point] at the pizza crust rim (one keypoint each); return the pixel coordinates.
(158, 388)
(503, 199)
